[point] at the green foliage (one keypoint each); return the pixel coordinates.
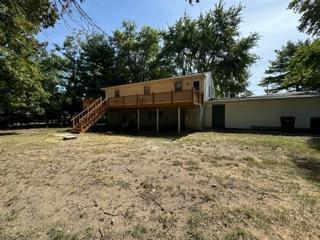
(304, 68)
(296, 68)
(212, 43)
(310, 19)
(22, 76)
(278, 69)
(97, 64)
(137, 53)
(71, 87)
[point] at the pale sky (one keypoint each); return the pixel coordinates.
(270, 18)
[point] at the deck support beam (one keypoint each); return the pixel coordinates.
(138, 120)
(179, 120)
(157, 120)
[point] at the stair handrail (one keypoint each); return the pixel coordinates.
(75, 120)
(95, 111)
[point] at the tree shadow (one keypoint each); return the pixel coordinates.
(8, 133)
(68, 130)
(314, 142)
(309, 167)
(272, 132)
(168, 134)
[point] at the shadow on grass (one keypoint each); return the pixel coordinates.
(168, 134)
(309, 167)
(8, 133)
(314, 142)
(68, 130)
(272, 132)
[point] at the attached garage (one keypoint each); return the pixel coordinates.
(262, 112)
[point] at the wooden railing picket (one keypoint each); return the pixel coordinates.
(171, 96)
(193, 95)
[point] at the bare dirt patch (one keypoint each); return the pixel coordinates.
(199, 186)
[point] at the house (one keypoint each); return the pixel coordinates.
(188, 102)
(175, 102)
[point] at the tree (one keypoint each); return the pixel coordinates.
(278, 69)
(180, 45)
(21, 77)
(53, 69)
(212, 43)
(295, 67)
(71, 87)
(136, 53)
(303, 67)
(310, 19)
(98, 64)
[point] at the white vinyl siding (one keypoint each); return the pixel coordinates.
(266, 113)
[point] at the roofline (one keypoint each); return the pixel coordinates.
(190, 76)
(262, 98)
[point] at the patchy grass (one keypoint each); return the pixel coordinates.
(198, 186)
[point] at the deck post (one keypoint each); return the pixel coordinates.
(157, 120)
(138, 119)
(171, 96)
(179, 120)
(193, 95)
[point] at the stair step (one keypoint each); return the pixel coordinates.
(94, 117)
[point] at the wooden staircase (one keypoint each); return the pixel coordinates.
(88, 117)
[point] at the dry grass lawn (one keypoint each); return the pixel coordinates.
(199, 186)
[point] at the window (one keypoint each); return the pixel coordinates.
(196, 85)
(117, 93)
(178, 86)
(146, 90)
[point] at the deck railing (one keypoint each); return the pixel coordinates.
(185, 97)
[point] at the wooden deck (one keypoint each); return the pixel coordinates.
(96, 108)
(163, 99)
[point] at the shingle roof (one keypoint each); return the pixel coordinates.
(289, 95)
(156, 80)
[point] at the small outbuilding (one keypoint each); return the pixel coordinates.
(263, 112)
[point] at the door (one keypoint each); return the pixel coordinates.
(196, 85)
(218, 116)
